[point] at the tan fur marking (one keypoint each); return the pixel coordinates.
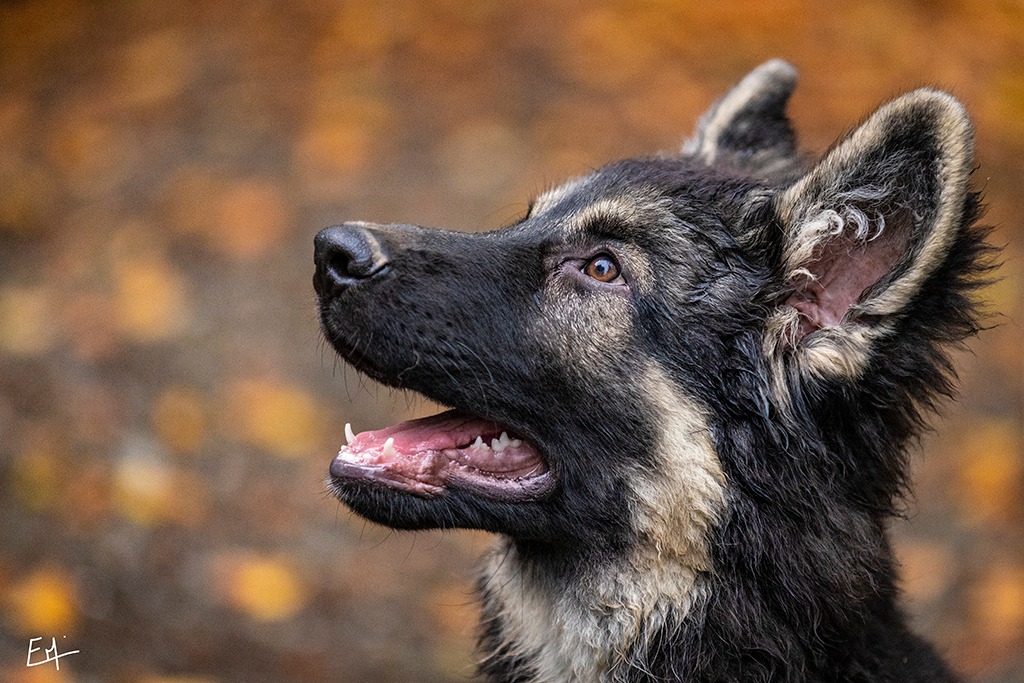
(584, 350)
(680, 502)
(608, 318)
(624, 209)
(587, 631)
(639, 211)
(548, 200)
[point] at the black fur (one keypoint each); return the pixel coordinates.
(802, 583)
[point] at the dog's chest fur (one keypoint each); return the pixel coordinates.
(594, 627)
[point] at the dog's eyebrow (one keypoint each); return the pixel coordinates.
(604, 213)
(625, 215)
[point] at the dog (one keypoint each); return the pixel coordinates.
(681, 393)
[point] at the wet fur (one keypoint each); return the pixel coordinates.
(729, 452)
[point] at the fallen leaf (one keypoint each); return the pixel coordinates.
(149, 302)
(332, 148)
(453, 609)
(280, 418)
(251, 218)
(26, 321)
(154, 68)
(39, 674)
(265, 588)
(997, 602)
(90, 154)
(178, 418)
(143, 486)
(44, 603)
(992, 473)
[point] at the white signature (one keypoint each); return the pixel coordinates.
(50, 653)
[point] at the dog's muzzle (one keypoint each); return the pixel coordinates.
(347, 255)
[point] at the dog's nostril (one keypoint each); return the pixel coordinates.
(340, 265)
(346, 255)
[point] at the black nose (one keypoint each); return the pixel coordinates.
(347, 255)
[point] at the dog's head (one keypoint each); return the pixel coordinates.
(665, 335)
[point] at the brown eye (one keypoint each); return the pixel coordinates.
(602, 268)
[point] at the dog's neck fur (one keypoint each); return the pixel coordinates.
(577, 614)
(563, 615)
(587, 626)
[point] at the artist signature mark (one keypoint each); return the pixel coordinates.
(50, 654)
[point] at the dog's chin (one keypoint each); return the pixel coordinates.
(402, 475)
(457, 509)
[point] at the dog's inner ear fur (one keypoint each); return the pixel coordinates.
(868, 224)
(748, 128)
(846, 248)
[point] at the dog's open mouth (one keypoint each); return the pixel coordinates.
(452, 450)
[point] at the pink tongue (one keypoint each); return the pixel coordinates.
(450, 429)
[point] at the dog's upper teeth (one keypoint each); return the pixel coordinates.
(389, 448)
(349, 434)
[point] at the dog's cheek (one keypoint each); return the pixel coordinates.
(681, 497)
(586, 334)
(676, 498)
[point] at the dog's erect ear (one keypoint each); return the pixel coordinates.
(748, 127)
(866, 227)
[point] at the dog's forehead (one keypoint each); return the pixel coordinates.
(586, 204)
(622, 217)
(627, 197)
(628, 178)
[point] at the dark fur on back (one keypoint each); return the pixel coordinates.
(728, 426)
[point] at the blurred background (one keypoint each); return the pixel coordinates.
(167, 410)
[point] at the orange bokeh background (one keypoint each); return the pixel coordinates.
(167, 411)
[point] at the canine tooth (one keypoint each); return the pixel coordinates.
(349, 434)
(389, 448)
